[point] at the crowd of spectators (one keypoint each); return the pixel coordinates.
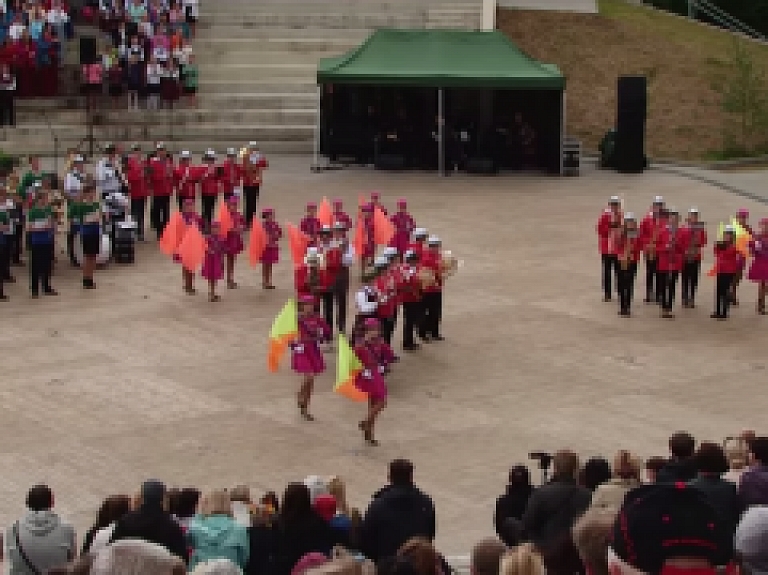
(701, 511)
(149, 55)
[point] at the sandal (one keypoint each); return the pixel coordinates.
(231, 285)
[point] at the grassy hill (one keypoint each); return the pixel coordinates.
(684, 61)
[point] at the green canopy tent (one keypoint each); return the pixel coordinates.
(442, 60)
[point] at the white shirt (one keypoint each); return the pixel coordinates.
(102, 538)
(361, 300)
(16, 30)
(57, 16)
(106, 176)
(72, 185)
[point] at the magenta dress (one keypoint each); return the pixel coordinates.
(311, 227)
(369, 246)
(271, 254)
(344, 218)
(758, 270)
(305, 351)
(384, 352)
(371, 383)
(189, 219)
(213, 264)
(404, 226)
(235, 244)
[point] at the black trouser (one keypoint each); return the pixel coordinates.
(625, 278)
(251, 194)
(7, 108)
(40, 265)
(326, 298)
(209, 203)
(71, 235)
(138, 210)
(412, 314)
(387, 328)
(340, 295)
(180, 201)
(610, 267)
(723, 294)
(160, 212)
(668, 282)
(690, 280)
(652, 288)
(432, 310)
(18, 239)
(5, 261)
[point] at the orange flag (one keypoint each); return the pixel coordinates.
(325, 213)
(359, 242)
(298, 241)
(383, 229)
(192, 249)
(258, 243)
(225, 220)
(172, 234)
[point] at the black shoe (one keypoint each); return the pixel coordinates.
(35, 295)
(88, 284)
(438, 338)
(412, 347)
(50, 291)
(607, 298)
(715, 316)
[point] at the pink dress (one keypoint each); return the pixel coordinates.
(344, 218)
(189, 219)
(369, 246)
(758, 271)
(235, 243)
(370, 380)
(311, 227)
(404, 226)
(305, 351)
(384, 352)
(271, 253)
(213, 264)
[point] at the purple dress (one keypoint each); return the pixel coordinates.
(343, 218)
(370, 380)
(235, 243)
(189, 219)
(310, 226)
(404, 226)
(305, 351)
(213, 264)
(758, 271)
(271, 253)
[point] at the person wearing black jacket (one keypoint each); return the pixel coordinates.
(397, 513)
(681, 467)
(151, 522)
(511, 506)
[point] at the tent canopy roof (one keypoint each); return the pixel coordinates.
(440, 59)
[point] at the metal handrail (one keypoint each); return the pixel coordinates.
(726, 20)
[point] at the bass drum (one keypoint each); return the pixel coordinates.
(104, 253)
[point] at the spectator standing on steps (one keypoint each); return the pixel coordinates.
(7, 96)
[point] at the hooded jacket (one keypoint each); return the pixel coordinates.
(217, 537)
(151, 523)
(46, 540)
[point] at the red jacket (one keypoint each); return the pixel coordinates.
(409, 286)
(433, 261)
(324, 281)
(161, 176)
(332, 261)
(210, 183)
(419, 248)
(185, 180)
(727, 259)
(634, 246)
(138, 186)
(608, 228)
(252, 173)
(387, 289)
(695, 239)
(671, 250)
(650, 227)
(233, 175)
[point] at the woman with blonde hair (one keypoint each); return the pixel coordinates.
(626, 476)
(342, 520)
(522, 560)
(214, 534)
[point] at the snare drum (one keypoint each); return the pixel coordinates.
(104, 252)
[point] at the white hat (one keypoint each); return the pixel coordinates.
(658, 200)
(209, 153)
(253, 144)
(630, 216)
(420, 232)
(693, 211)
(185, 154)
(389, 252)
(231, 152)
(409, 254)
(729, 229)
(381, 262)
(312, 252)
(339, 226)
(614, 200)
(78, 159)
(160, 146)
(433, 240)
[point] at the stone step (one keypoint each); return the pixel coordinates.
(304, 114)
(238, 101)
(305, 85)
(259, 71)
(253, 7)
(282, 32)
(221, 46)
(349, 19)
(216, 58)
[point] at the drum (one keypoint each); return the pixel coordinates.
(104, 252)
(126, 229)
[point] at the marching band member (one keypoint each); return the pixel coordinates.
(73, 187)
(210, 185)
(432, 302)
(232, 174)
(40, 241)
(88, 213)
(727, 264)
(108, 176)
(369, 239)
(758, 270)
(234, 244)
(395, 272)
(341, 287)
(271, 254)
(6, 236)
(376, 202)
(138, 188)
(253, 166)
(332, 256)
(671, 252)
(309, 224)
(742, 217)
(419, 243)
(629, 248)
(608, 229)
(650, 228)
(185, 178)
(161, 179)
(339, 215)
(311, 278)
(213, 263)
(371, 379)
(386, 287)
(366, 303)
(21, 200)
(404, 226)
(191, 218)
(306, 358)
(695, 238)
(409, 292)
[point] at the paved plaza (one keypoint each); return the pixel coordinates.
(101, 390)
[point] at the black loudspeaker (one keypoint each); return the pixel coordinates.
(632, 103)
(389, 162)
(88, 51)
(479, 165)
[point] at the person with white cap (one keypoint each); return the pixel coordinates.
(419, 241)
(232, 174)
(210, 185)
(432, 301)
(608, 231)
(138, 187)
(650, 227)
(366, 303)
(332, 256)
(185, 178)
(629, 249)
(695, 233)
(109, 178)
(410, 294)
(727, 265)
(386, 286)
(161, 181)
(254, 164)
(671, 253)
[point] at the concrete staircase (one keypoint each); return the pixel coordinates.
(257, 63)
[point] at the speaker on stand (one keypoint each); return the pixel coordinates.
(632, 106)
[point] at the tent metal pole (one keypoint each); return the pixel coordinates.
(316, 135)
(440, 133)
(562, 134)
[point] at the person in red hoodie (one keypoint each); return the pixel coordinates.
(608, 230)
(185, 179)
(432, 302)
(138, 187)
(210, 185)
(629, 248)
(332, 256)
(695, 234)
(671, 251)
(161, 182)
(727, 265)
(650, 227)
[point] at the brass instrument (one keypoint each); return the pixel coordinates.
(427, 277)
(449, 264)
(695, 248)
(626, 255)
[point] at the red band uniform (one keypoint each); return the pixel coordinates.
(695, 235)
(671, 254)
(161, 180)
(138, 190)
(650, 228)
(410, 295)
(608, 230)
(628, 249)
(210, 185)
(728, 263)
(432, 300)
